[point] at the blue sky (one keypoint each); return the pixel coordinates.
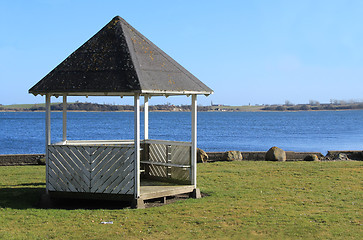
(247, 51)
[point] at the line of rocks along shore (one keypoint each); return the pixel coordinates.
(274, 154)
(277, 154)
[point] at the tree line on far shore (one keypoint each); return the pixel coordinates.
(316, 106)
(96, 107)
(307, 107)
(79, 106)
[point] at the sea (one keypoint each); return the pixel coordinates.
(308, 131)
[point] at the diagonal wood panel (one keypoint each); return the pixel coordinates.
(98, 169)
(96, 160)
(72, 183)
(118, 177)
(102, 163)
(127, 185)
(157, 153)
(110, 171)
(67, 170)
(78, 167)
(179, 154)
(120, 181)
(56, 183)
(105, 164)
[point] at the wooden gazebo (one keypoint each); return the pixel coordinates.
(120, 61)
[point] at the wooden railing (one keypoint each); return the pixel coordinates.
(167, 159)
(91, 168)
(96, 142)
(109, 166)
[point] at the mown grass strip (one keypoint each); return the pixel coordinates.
(258, 200)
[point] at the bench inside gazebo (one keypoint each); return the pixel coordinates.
(119, 61)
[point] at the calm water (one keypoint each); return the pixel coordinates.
(244, 131)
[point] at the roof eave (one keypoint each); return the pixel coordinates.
(171, 93)
(141, 92)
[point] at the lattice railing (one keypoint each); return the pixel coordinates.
(167, 159)
(91, 169)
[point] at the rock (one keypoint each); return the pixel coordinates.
(345, 155)
(233, 156)
(215, 156)
(300, 156)
(275, 154)
(201, 156)
(342, 157)
(312, 157)
(41, 160)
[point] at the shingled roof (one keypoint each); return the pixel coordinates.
(118, 60)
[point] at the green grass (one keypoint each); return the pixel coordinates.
(247, 200)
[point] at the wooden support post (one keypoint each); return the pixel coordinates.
(47, 139)
(137, 144)
(194, 142)
(146, 158)
(64, 117)
(195, 194)
(168, 160)
(146, 117)
(138, 203)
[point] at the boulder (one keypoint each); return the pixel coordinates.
(41, 160)
(215, 156)
(345, 155)
(233, 156)
(342, 157)
(312, 157)
(275, 154)
(201, 156)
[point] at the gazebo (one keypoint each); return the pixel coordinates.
(120, 61)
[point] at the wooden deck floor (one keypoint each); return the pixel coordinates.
(154, 189)
(149, 189)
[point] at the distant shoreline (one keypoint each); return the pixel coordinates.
(95, 107)
(327, 110)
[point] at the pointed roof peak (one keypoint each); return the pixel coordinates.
(118, 60)
(117, 19)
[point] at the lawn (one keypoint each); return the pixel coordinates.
(247, 200)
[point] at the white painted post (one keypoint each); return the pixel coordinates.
(64, 117)
(194, 141)
(47, 139)
(137, 143)
(146, 117)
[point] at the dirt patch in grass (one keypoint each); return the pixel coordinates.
(169, 200)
